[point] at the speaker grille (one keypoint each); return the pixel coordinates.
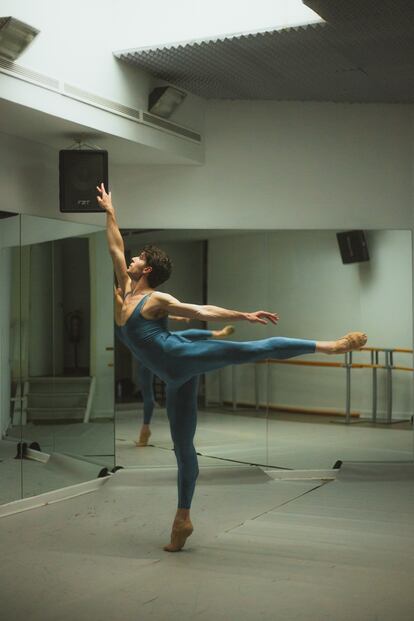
(79, 174)
(353, 246)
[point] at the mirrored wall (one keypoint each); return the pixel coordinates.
(62, 369)
(308, 412)
(57, 355)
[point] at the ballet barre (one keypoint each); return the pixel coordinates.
(348, 365)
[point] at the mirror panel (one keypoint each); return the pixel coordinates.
(11, 394)
(319, 297)
(68, 356)
(235, 281)
(209, 267)
(251, 412)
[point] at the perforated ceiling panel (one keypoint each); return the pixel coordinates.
(364, 52)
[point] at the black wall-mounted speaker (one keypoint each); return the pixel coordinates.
(353, 246)
(80, 171)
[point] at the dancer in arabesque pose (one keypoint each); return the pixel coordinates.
(145, 375)
(177, 360)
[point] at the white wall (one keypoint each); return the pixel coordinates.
(282, 165)
(268, 165)
(300, 275)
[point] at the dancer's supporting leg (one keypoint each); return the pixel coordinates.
(182, 415)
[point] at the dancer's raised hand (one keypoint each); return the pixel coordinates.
(104, 199)
(261, 316)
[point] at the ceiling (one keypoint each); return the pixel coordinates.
(362, 52)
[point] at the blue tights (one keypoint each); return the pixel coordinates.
(182, 398)
(182, 416)
(146, 382)
(146, 377)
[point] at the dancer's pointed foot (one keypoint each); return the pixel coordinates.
(180, 532)
(350, 342)
(224, 332)
(144, 436)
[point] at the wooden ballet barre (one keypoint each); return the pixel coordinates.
(398, 350)
(305, 363)
(348, 365)
(316, 363)
(320, 363)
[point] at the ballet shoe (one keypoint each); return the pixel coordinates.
(144, 436)
(351, 342)
(226, 331)
(179, 536)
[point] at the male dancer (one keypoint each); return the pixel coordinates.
(146, 376)
(178, 361)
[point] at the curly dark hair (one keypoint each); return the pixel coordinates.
(161, 265)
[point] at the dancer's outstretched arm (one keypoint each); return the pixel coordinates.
(115, 241)
(170, 305)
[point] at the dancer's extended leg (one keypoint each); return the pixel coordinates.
(204, 356)
(182, 415)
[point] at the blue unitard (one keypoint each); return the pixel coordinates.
(146, 377)
(178, 362)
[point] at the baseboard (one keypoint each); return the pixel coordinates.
(301, 475)
(293, 409)
(49, 498)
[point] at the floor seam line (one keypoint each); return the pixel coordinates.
(278, 506)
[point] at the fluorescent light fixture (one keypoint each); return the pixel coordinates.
(163, 100)
(15, 36)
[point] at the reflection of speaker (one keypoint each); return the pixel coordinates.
(353, 246)
(80, 171)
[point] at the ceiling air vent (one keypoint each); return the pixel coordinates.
(85, 96)
(28, 74)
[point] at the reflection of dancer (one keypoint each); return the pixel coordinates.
(177, 360)
(146, 377)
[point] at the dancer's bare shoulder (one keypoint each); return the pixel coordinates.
(157, 305)
(162, 304)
